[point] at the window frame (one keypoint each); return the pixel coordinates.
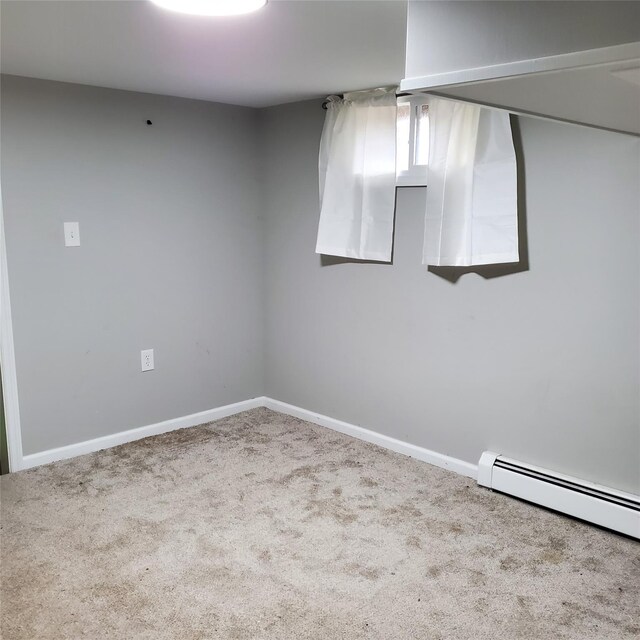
(416, 174)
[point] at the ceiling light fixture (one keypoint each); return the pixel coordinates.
(211, 7)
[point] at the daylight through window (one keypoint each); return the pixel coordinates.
(412, 146)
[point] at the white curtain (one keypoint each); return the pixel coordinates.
(472, 214)
(357, 176)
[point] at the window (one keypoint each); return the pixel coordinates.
(412, 146)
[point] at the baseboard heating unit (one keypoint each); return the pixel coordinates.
(600, 505)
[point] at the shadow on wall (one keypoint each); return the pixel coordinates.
(453, 274)
(328, 261)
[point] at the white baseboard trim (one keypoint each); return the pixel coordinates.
(399, 446)
(104, 442)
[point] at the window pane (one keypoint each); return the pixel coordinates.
(422, 134)
(402, 142)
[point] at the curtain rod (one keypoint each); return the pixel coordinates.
(341, 95)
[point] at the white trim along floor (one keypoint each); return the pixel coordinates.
(89, 446)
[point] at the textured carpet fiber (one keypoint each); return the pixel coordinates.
(263, 526)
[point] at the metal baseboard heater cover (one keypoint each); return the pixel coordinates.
(594, 503)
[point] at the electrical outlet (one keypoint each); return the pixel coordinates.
(146, 359)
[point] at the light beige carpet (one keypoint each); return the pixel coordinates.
(261, 526)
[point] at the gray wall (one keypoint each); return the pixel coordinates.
(171, 257)
(541, 364)
(447, 36)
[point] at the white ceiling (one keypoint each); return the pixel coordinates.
(287, 51)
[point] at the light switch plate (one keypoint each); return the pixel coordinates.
(71, 234)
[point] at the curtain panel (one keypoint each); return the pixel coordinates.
(472, 204)
(357, 176)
